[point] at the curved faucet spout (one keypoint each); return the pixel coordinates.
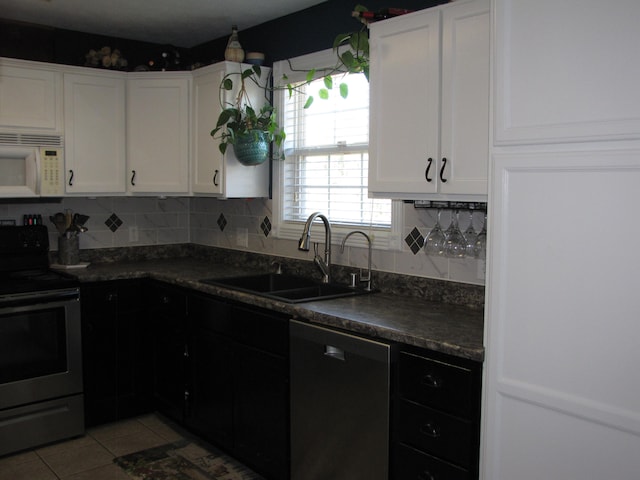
(324, 265)
(363, 278)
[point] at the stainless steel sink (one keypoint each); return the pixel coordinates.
(286, 288)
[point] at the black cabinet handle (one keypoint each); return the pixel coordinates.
(426, 475)
(215, 177)
(426, 172)
(430, 430)
(444, 164)
(165, 299)
(71, 178)
(133, 177)
(432, 381)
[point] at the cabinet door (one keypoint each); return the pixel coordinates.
(211, 393)
(168, 314)
(30, 98)
(94, 123)
(562, 339)
(214, 173)
(158, 134)
(261, 414)
(99, 353)
(566, 73)
(117, 354)
(208, 165)
(464, 153)
(211, 373)
(261, 390)
(135, 351)
(404, 108)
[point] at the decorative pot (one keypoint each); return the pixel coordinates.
(252, 148)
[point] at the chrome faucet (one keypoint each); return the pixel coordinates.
(363, 278)
(323, 264)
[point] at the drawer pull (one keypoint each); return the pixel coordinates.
(432, 381)
(430, 430)
(426, 475)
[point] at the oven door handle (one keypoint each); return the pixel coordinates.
(35, 300)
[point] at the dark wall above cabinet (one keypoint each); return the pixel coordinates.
(303, 32)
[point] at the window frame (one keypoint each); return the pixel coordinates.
(382, 238)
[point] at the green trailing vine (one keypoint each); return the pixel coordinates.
(240, 118)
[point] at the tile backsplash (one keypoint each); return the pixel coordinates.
(114, 221)
(242, 225)
(218, 223)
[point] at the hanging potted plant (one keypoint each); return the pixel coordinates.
(250, 132)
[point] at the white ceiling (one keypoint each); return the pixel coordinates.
(182, 23)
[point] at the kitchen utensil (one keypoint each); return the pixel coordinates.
(68, 218)
(59, 220)
(80, 219)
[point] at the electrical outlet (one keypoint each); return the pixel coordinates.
(133, 233)
(482, 269)
(242, 237)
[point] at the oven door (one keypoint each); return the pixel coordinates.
(40, 347)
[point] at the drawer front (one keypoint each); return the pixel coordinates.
(437, 433)
(261, 329)
(411, 464)
(441, 385)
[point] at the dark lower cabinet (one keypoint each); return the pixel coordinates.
(211, 375)
(222, 370)
(167, 310)
(261, 389)
(117, 360)
(436, 432)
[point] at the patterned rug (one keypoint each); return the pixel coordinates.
(183, 460)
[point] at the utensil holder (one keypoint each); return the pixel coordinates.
(68, 250)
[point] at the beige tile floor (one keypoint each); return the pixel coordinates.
(91, 456)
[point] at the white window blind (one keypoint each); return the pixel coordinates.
(327, 156)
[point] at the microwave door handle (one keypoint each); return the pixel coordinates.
(32, 171)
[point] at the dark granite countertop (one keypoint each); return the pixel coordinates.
(445, 328)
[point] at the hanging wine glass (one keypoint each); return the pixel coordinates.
(434, 242)
(454, 245)
(480, 248)
(470, 237)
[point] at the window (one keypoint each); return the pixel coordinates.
(326, 164)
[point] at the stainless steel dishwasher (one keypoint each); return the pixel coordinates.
(340, 387)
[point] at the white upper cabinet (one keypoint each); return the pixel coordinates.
(429, 124)
(158, 132)
(539, 99)
(30, 96)
(94, 120)
(213, 173)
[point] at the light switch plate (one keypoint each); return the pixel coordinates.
(242, 237)
(133, 233)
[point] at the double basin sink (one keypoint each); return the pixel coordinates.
(285, 288)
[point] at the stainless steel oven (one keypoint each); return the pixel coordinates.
(41, 398)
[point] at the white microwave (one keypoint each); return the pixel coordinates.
(31, 171)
